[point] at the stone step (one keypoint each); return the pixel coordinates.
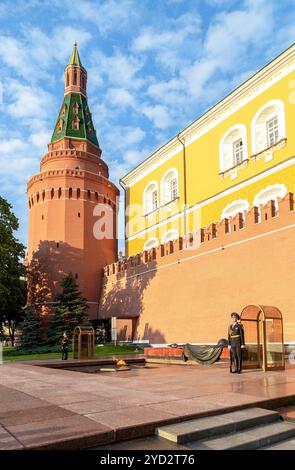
(249, 439)
(287, 444)
(202, 428)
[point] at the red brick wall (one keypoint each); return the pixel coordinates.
(185, 295)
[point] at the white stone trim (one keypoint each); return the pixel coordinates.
(175, 172)
(241, 205)
(279, 104)
(173, 232)
(149, 241)
(242, 135)
(217, 197)
(144, 200)
(279, 190)
(247, 92)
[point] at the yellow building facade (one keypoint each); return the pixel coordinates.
(239, 154)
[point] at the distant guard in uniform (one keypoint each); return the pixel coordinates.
(65, 346)
(236, 342)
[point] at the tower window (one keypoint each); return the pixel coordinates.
(57, 245)
(89, 194)
(76, 108)
(75, 77)
(70, 193)
(52, 193)
(43, 195)
(67, 79)
(59, 193)
(76, 276)
(96, 196)
(60, 125)
(79, 215)
(37, 197)
(78, 193)
(76, 124)
(42, 217)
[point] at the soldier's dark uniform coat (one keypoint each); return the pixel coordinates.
(236, 339)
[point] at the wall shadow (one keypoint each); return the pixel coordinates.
(49, 264)
(123, 297)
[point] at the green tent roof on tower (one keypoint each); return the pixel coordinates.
(75, 58)
(75, 119)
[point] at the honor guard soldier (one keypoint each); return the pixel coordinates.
(65, 346)
(236, 342)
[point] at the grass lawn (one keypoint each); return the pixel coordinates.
(9, 354)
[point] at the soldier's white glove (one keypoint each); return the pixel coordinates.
(242, 346)
(229, 347)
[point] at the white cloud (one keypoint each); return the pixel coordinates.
(122, 137)
(107, 15)
(159, 115)
(173, 42)
(28, 101)
(34, 56)
(118, 69)
(120, 97)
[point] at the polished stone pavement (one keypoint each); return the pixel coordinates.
(49, 408)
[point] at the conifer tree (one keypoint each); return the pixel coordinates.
(70, 310)
(30, 329)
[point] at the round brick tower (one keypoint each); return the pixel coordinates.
(72, 203)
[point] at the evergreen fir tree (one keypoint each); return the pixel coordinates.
(70, 310)
(30, 329)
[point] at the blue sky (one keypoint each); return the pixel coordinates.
(153, 67)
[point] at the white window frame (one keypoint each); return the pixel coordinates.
(154, 200)
(276, 109)
(174, 188)
(226, 148)
(238, 151)
(272, 131)
(166, 188)
(272, 192)
(171, 234)
(151, 241)
(232, 209)
(147, 205)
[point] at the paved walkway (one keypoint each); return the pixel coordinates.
(56, 409)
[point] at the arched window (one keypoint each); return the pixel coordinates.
(169, 186)
(75, 108)
(38, 197)
(70, 193)
(268, 126)
(52, 193)
(151, 243)
(233, 147)
(272, 192)
(89, 194)
(59, 193)
(60, 125)
(234, 208)
(170, 235)
(67, 81)
(150, 197)
(75, 77)
(78, 193)
(76, 123)
(43, 195)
